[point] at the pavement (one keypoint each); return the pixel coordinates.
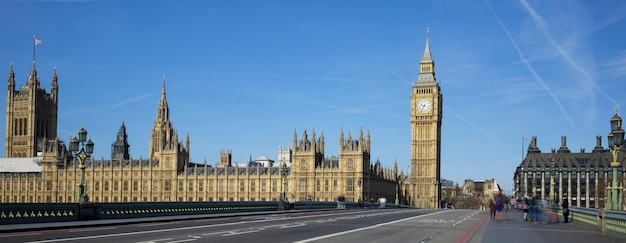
(514, 229)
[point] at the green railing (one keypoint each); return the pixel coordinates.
(20, 213)
(605, 220)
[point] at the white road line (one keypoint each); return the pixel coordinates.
(182, 240)
(154, 241)
(240, 232)
(365, 228)
(92, 229)
(16, 235)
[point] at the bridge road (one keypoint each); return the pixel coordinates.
(375, 225)
(367, 225)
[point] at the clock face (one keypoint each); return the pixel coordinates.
(424, 105)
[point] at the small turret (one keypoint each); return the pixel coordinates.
(54, 85)
(11, 79)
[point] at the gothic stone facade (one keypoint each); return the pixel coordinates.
(168, 175)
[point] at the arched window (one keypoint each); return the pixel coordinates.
(303, 164)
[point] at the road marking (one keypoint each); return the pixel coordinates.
(240, 232)
(154, 241)
(15, 235)
(365, 228)
(92, 229)
(468, 234)
(182, 240)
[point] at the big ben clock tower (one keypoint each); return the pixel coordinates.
(426, 111)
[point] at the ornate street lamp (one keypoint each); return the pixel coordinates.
(284, 172)
(360, 190)
(552, 192)
(86, 149)
(616, 140)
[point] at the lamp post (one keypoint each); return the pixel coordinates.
(86, 149)
(283, 174)
(616, 140)
(552, 192)
(360, 190)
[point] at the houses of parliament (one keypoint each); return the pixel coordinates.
(38, 167)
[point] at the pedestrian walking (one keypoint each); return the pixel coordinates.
(499, 206)
(292, 202)
(565, 206)
(492, 209)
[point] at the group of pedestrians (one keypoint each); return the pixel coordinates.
(534, 210)
(496, 206)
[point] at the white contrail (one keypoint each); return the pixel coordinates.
(403, 79)
(124, 102)
(542, 26)
(474, 126)
(530, 67)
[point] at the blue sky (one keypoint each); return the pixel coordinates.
(242, 75)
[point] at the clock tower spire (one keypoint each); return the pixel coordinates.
(426, 113)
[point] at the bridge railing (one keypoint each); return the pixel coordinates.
(605, 220)
(17, 213)
(20, 213)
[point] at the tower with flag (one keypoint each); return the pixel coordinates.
(31, 115)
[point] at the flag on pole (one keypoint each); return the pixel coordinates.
(37, 41)
(524, 138)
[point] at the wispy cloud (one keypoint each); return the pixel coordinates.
(617, 65)
(400, 77)
(529, 66)
(302, 77)
(356, 110)
(125, 102)
(474, 126)
(589, 82)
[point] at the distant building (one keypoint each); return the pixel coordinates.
(481, 189)
(581, 177)
(262, 161)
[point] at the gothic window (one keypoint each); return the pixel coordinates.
(242, 186)
(168, 185)
(350, 185)
(303, 164)
(326, 185)
(350, 164)
(303, 185)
